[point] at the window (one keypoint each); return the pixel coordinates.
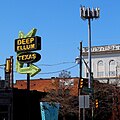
(112, 68)
(100, 74)
(100, 63)
(112, 73)
(112, 62)
(100, 69)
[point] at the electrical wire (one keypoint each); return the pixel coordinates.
(49, 65)
(55, 64)
(59, 70)
(1, 66)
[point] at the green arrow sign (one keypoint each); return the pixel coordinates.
(32, 69)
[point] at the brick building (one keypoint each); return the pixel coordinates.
(68, 85)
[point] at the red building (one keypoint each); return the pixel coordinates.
(68, 85)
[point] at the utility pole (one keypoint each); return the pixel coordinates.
(11, 74)
(79, 61)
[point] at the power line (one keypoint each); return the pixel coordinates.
(55, 64)
(59, 70)
(49, 65)
(1, 66)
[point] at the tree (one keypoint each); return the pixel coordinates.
(103, 92)
(68, 105)
(108, 97)
(65, 74)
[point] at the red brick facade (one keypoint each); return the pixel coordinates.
(46, 85)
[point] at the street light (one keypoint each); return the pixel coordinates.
(86, 13)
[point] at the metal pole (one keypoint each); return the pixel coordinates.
(89, 14)
(11, 85)
(28, 88)
(28, 79)
(89, 52)
(84, 109)
(11, 74)
(79, 105)
(83, 113)
(80, 70)
(80, 60)
(80, 67)
(89, 58)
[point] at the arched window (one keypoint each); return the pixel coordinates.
(112, 68)
(112, 62)
(100, 69)
(100, 63)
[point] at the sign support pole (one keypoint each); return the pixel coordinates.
(84, 108)
(28, 79)
(83, 113)
(28, 88)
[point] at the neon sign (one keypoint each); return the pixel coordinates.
(28, 44)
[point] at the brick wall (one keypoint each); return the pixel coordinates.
(46, 85)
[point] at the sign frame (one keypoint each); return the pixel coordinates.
(28, 44)
(28, 57)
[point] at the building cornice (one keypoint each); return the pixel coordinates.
(98, 50)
